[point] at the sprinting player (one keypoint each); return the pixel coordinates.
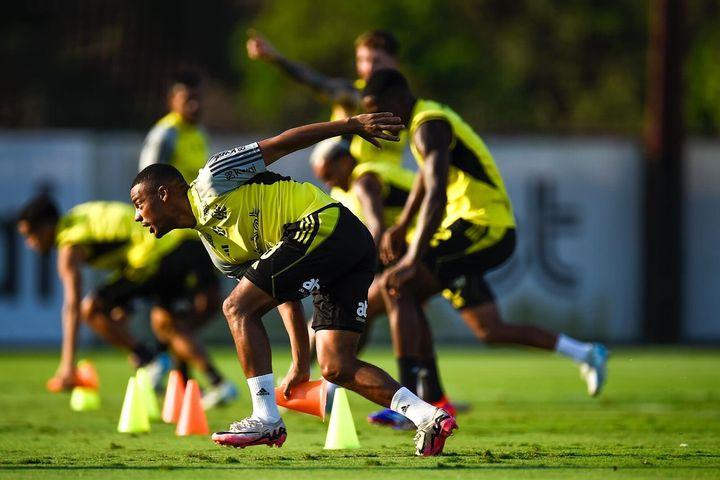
(376, 193)
(104, 235)
(464, 228)
(374, 49)
(178, 140)
(283, 241)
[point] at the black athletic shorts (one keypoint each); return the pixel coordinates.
(183, 272)
(328, 254)
(460, 255)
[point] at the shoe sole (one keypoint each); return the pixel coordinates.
(230, 440)
(437, 444)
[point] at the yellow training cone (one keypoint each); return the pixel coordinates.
(84, 399)
(147, 392)
(133, 418)
(341, 432)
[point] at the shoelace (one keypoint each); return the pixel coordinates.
(248, 423)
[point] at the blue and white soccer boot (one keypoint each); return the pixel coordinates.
(157, 369)
(594, 370)
(390, 418)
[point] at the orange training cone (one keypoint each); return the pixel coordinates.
(85, 376)
(308, 397)
(192, 416)
(173, 397)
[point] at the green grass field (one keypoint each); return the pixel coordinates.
(658, 418)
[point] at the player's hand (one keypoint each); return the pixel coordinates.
(64, 379)
(294, 377)
(372, 126)
(399, 275)
(392, 244)
(259, 48)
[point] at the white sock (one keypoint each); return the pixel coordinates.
(410, 405)
(572, 348)
(262, 392)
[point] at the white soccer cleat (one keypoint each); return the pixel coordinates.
(431, 435)
(157, 369)
(594, 370)
(220, 394)
(251, 431)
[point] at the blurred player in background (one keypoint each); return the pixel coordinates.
(283, 241)
(374, 50)
(178, 139)
(464, 228)
(180, 282)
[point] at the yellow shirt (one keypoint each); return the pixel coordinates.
(475, 189)
(396, 185)
(241, 208)
(112, 240)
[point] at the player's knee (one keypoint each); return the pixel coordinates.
(88, 307)
(161, 323)
(231, 309)
(336, 370)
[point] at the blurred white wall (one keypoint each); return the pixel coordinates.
(577, 202)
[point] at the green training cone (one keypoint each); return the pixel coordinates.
(341, 432)
(84, 399)
(147, 392)
(133, 418)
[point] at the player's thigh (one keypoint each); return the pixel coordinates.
(247, 300)
(336, 349)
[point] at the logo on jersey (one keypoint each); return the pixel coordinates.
(220, 231)
(361, 311)
(255, 238)
(310, 286)
(234, 173)
(208, 238)
(220, 212)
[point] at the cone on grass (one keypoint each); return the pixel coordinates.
(173, 397)
(308, 397)
(341, 432)
(133, 418)
(192, 419)
(147, 392)
(84, 399)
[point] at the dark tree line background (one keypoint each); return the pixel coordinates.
(575, 66)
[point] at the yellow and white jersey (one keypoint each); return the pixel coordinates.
(242, 209)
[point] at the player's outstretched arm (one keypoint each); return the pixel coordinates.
(392, 245)
(336, 89)
(368, 190)
(293, 317)
(70, 276)
(369, 126)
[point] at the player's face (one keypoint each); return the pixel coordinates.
(150, 208)
(368, 60)
(40, 239)
(188, 102)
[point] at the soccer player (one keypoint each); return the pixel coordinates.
(374, 49)
(283, 241)
(105, 236)
(464, 228)
(376, 193)
(178, 140)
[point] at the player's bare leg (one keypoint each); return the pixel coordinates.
(112, 326)
(340, 365)
(243, 310)
(486, 323)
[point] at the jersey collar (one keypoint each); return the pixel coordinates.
(195, 206)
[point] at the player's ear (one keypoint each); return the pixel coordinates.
(164, 193)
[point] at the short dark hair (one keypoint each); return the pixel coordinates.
(387, 83)
(41, 210)
(381, 40)
(158, 173)
(187, 78)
